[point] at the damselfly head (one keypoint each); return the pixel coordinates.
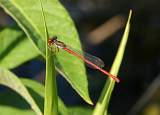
(52, 40)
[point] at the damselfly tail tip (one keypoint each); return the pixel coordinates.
(115, 78)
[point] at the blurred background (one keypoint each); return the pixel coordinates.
(100, 24)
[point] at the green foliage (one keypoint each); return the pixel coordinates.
(103, 102)
(39, 24)
(39, 90)
(14, 47)
(10, 80)
(7, 110)
(51, 101)
(11, 102)
(59, 23)
(80, 110)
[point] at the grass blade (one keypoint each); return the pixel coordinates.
(51, 104)
(51, 99)
(103, 102)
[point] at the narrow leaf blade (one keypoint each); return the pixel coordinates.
(51, 100)
(103, 102)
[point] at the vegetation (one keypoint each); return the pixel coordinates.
(38, 22)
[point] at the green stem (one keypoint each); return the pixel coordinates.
(51, 98)
(51, 103)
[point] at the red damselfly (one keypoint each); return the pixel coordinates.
(92, 61)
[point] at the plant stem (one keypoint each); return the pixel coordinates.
(51, 98)
(51, 103)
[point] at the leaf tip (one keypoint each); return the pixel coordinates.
(130, 14)
(90, 102)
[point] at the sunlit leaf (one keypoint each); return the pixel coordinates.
(11, 102)
(8, 110)
(39, 89)
(103, 102)
(8, 79)
(14, 47)
(59, 23)
(80, 110)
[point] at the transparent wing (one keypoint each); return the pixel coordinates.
(83, 55)
(95, 60)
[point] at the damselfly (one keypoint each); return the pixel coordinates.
(92, 61)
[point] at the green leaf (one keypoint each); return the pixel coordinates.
(8, 110)
(10, 102)
(51, 98)
(10, 80)
(80, 110)
(14, 47)
(59, 23)
(103, 102)
(39, 89)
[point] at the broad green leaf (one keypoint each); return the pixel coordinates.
(14, 47)
(103, 102)
(59, 23)
(10, 80)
